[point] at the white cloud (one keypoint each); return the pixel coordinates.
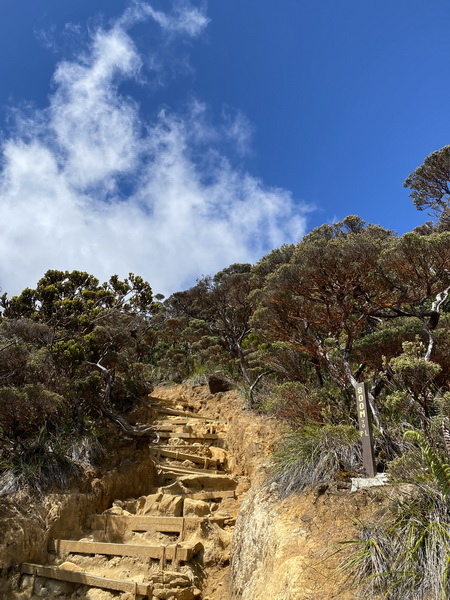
(87, 184)
(184, 19)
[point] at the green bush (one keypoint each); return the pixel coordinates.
(408, 555)
(294, 403)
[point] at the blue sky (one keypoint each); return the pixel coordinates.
(172, 138)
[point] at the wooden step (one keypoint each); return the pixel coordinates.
(120, 585)
(189, 436)
(175, 552)
(149, 523)
(168, 426)
(181, 446)
(210, 495)
(185, 470)
(183, 421)
(171, 402)
(180, 413)
(138, 523)
(176, 455)
(174, 426)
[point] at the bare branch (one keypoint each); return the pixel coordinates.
(131, 430)
(8, 345)
(438, 304)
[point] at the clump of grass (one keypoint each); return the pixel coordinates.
(316, 454)
(38, 468)
(47, 462)
(408, 554)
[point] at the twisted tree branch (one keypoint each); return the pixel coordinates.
(131, 430)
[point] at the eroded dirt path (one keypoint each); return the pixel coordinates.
(173, 544)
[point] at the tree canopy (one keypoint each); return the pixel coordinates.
(430, 182)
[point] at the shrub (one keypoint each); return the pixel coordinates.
(294, 403)
(26, 410)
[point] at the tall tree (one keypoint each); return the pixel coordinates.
(325, 298)
(430, 183)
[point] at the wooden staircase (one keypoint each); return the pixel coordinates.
(150, 554)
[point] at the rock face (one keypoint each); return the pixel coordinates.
(163, 504)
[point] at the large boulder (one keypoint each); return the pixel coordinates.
(218, 383)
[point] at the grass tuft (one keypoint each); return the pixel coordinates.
(316, 454)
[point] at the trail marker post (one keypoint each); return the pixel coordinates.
(365, 429)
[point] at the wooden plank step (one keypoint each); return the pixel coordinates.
(210, 495)
(168, 426)
(150, 523)
(171, 425)
(176, 455)
(181, 446)
(186, 470)
(120, 585)
(138, 523)
(182, 421)
(180, 413)
(189, 436)
(171, 401)
(183, 551)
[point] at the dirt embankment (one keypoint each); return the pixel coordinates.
(28, 522)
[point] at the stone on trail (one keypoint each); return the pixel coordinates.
(162, 504)
(196, 508)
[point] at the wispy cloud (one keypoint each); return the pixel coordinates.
(184, 18)
(88, 184)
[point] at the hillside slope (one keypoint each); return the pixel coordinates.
(280, 549)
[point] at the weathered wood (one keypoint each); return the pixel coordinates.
(189, 436)
(207, 428)
(365, 429)
(149, 523)
(135, 431)
(171, 402)
(181, 421)
(195, 458)
(139, 523)
(169, 552)
(169, 426)
(121, 585)
(183, 447)
(185, 470)
(180, 413)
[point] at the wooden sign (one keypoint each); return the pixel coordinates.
(365, 429)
